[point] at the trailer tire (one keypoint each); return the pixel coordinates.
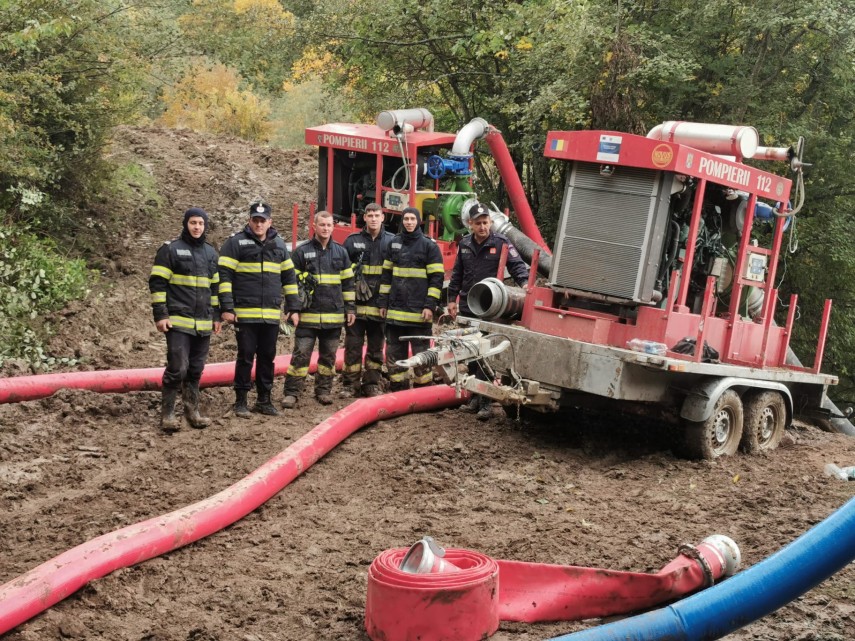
(765, 422)
(719, 435)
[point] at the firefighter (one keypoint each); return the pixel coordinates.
(256, 274)
(478, 256)
(410, 288)
(327, 303)
(183, 286)
(367, 250)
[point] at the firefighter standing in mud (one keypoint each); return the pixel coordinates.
(409, 293)
(327, 303)
(367, 250)
(256, 274)
(183, 286)
(478, 256)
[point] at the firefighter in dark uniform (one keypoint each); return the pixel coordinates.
(478, 256)
(367, 251)
(327, 302)
(183, 286)
(256, 274)
(409, 293)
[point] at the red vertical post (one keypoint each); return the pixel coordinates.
(788, 328)
(823, 333)
(532, 279)
(773, 260)
(503, 260)
(736, 288)
(295, 226)
(767, 321)
(702, 324)
(673, 288)
(330, 203)
(353, 221)
(689, 257)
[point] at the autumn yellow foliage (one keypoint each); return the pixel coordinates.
(209, 98)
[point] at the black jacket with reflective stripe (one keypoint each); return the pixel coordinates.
(255, 276)
(476, 262)
(372, 252)
(183, 285)
(412, 278)
(331, 276)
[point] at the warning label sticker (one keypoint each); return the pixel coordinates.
(609, 149)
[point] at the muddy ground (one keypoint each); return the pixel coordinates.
(584, 490)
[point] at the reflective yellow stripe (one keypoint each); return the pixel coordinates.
(356, 367)
(369, 364)
(191, 323)
(424, 378)
(367, 310)
(190, 281)
(310, 317)
(323, 370)
(266, 313)
(329, 279)
(372, 269)
(387, 264)
(290, 289)
(385, 289)
(215, 301)
(158, 297)
(435, 268)
(216, 278)
(288, 264)
(400, 376)
(225, 261)
(163, 272)
(409, 317)
(434, 292)
(257, 268)
(225, 288)
(299, 372)
(409, 272)
(348, 296)
(346, 273)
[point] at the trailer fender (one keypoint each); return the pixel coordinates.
(699, 403)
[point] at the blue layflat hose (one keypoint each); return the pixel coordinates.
(761, 589)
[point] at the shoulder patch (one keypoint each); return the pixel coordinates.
(167, 242)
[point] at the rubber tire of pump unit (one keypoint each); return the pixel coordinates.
(759, 409)
(700, 439)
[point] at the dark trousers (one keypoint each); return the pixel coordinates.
(255, 341)
(397, 350)
(355, 336)
(185, 357)
(304, 344)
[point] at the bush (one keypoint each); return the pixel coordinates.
(35, 280)
(208, 98)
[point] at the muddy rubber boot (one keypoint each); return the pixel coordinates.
(289, 402)
(263, 405)
(485, 409)
(473, 405)
(190, 396)
(168, 421)
(370, 390)
(240, 408)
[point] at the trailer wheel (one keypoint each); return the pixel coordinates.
(720, 434)
(765, 422)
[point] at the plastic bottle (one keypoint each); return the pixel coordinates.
(844, 473)
(647, 347)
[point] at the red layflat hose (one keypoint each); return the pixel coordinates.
(50, 582)
(467, 605)
(30, 388)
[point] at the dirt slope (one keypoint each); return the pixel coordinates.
(580, 490)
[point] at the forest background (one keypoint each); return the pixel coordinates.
(71, 70)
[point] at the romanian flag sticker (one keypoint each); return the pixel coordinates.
(557, 144)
